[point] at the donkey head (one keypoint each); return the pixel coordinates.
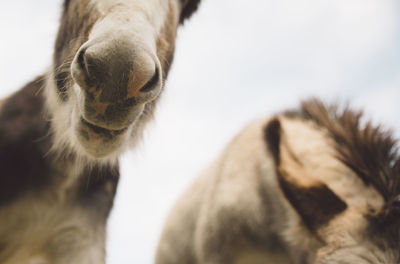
(110, 64)
(342, 183)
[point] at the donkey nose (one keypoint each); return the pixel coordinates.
(113, 72)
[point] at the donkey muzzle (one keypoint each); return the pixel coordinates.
(116, 78)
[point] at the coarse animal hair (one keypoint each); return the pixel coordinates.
(61, 134)
(369, 150)
(316, 185)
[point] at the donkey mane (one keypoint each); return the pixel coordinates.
(371, 152)
(367, 149)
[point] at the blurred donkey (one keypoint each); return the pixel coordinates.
(315, 186)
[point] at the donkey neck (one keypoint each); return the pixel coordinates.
(23, 143)
(29, 165)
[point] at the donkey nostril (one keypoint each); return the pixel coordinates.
(151, 83)
(81, 59)
(79, 69)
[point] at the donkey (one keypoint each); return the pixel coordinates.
(316, 185)
(61, 134)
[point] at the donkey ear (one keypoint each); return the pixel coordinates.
(188, 8)
(316, 204)
(314, 201)
(272, 134)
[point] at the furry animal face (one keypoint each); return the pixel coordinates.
(110, 64)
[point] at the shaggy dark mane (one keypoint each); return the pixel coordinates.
(369, 150)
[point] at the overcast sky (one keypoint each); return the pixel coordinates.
(236, 60)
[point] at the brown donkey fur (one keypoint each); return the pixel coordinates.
(316, 185)
(61, 134)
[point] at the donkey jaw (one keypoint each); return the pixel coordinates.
(87, 140)
(101, 141)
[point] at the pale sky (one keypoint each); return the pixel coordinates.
(236, 60)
